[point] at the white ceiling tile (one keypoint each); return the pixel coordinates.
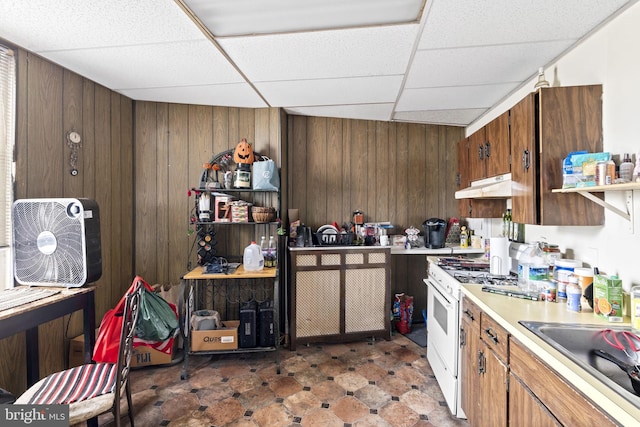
(460, 117)
(233, 17)
(231, 95)
(380, 112)
(475, 23)
(448, 98)
(341, 53)
(183, 64)
(480, 65)
(65, 24)
(363, 90)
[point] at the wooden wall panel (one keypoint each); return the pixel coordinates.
(398, 172)
(172, 144)
(50, 102)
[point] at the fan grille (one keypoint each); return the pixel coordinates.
(34, 220)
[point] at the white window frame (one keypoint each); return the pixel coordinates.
(7, 164)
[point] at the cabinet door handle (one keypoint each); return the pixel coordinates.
(491, 335)
(487, 150)
(458, 180)
(480, 152)
(463, 338)
(525, 160)
(482, 368)
(469, 314)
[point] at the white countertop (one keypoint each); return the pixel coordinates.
(396, 250)
(447, 250)
(507, 311)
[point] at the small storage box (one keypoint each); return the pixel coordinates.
(225, 338)
(240, 212)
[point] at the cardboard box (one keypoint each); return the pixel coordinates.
(607, 298)
(147, 356)
(141, 356)
(225, 338)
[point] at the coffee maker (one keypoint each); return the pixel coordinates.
(434, 233)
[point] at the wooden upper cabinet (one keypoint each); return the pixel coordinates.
(545, 127)
(498, 147)
(477, 164)
(473, 208)
(490, 150)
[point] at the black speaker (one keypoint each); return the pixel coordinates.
(247, 336)
(266, 322)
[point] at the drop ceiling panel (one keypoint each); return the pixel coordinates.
(42, 25)
(185, 64)
(480, 65)
(460, 117)
(357, 90)
(230, 95)
(233, 17)
(327, 54)
(476, 23)
(448, 98)
(365, 111)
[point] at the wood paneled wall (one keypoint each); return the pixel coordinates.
(172, 143)
(51, 101)
(398, 172)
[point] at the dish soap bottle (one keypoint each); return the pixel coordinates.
(464, 237)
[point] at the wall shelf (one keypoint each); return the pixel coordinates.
(629, 188)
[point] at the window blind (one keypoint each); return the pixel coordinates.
(7, 137)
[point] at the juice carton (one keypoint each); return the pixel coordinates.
(607, 297)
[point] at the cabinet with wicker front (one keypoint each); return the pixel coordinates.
(339, 294)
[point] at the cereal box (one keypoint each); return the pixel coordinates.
(607, 297)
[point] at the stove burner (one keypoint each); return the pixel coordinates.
(484, 278)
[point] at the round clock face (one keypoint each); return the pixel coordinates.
(74, 137)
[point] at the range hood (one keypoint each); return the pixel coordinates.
(497, 187)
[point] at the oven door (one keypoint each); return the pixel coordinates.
(443, 326)
(442, 341)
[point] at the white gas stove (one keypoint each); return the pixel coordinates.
(446, 275)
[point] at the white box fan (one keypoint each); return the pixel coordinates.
(56, 242)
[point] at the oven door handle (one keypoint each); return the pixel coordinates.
(440, 295)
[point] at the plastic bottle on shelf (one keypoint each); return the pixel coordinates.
(270, 260)
(626, 168)
(263, 246)
(252, 259)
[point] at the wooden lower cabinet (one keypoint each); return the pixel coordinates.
(469, 333)
(504, 384)
(525, 409)
(563, 402)
(339, 294)
(493, 388)
(484, 368)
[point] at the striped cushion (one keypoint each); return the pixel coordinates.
(76, 384)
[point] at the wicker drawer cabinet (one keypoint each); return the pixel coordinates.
(339, 294)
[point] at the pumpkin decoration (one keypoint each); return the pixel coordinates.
(243, 153)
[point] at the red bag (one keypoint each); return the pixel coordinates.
(108, 340)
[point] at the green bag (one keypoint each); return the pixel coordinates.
(157, 321)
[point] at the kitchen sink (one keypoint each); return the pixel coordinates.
(577, 342)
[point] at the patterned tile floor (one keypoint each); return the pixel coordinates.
(381, 383)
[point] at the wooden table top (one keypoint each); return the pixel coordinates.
(240, 273)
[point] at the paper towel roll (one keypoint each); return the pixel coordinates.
(499, 256)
